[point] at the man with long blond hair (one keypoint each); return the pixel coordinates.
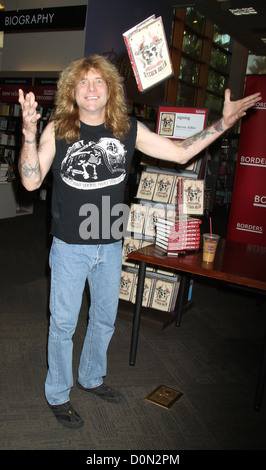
(89, 143)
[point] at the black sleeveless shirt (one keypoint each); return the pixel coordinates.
(89, 179)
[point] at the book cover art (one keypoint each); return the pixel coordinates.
(167, 124)
(146, 185)
(162, 295)
(191, 196)
(163, 188)
(148, 52)
(152, 216)
(126, 285)
(147, 290)
(130, 244)
(136, 218)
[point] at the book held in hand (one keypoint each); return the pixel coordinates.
(148, 53)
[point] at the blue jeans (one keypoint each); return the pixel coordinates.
(70, 266)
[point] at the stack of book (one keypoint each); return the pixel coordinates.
(177, 236)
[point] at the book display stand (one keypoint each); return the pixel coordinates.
(156, 199)
(159, 194)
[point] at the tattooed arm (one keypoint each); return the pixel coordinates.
(34, 162)
(182, 151)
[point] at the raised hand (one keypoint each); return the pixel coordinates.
(30, 116)
(234, 110)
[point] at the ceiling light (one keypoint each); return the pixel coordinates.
(2, 6)
(243, 11)
(264, 40)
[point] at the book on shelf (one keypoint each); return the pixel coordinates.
(148, 52)
(136, 218)
(127, 281)
(15, 109)
(4, 109)
(3, 138)
(164, 188)
(11, 140)
(190, 196)
(153, 212)
(146, 185)
(164, 295)
(4, 172)
(129, 244)
(9, 155)
(3, 124)
(11, 125)
(10, 109)
(147, 291)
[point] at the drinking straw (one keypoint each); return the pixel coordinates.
(211, 226)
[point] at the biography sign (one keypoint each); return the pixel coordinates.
(52, 19)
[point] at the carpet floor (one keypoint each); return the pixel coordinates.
(212, 359)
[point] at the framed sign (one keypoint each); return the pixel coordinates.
(180, 123)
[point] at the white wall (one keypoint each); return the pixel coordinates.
(41, 51)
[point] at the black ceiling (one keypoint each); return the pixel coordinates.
(248, 30)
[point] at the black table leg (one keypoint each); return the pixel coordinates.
(182, 296)
(137, 313)
(261, 378)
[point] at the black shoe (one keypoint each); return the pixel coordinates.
(104, 392)
(66, 415)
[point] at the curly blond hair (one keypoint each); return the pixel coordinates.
(66, 113)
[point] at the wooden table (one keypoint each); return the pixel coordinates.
(235, 263)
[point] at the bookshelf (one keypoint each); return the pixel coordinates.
(220, 173)
(15, 200)
(156, 197)
(226, 172)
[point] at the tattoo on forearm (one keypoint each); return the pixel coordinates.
(28, 170)
(218, 127)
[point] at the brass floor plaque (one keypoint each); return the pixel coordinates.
(164, 396)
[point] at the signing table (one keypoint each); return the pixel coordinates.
(235, 263)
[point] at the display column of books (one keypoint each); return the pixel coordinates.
(10, 122)
(156, 197)
(14, 199)
(226, 171)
